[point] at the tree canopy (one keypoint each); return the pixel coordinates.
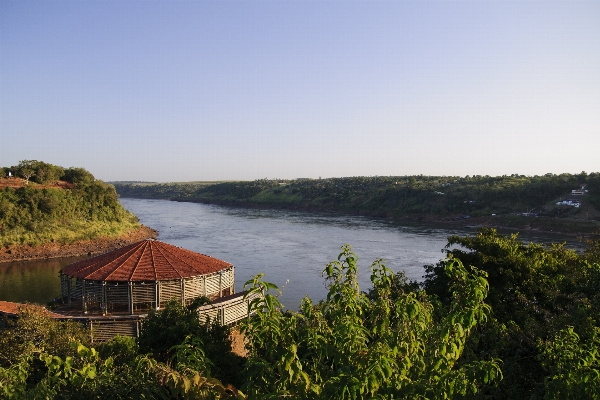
(539, 294)
(496, 319)
(418, 197)
(34, 215)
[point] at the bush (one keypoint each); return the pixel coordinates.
(393, 345)
(164, 329)
(29, 215)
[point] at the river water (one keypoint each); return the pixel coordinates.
(290, 247)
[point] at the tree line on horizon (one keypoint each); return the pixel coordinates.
(393, 195)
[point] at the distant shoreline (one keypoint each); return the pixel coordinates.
(562, 226)
(81, 248)
(514, 202)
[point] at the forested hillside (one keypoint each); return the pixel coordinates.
(415, 197)
(44, 203)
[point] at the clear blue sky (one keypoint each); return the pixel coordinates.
(194, 90)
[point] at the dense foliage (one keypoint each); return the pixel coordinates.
(171, 326)
(352, 345)
(400, 196)
(542, 298)
(497, 319)
(163, 191)
(34, 328)
(45, 359)
(35, 214)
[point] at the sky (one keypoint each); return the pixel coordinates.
(241, 90)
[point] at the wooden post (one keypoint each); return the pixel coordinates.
(130, 296)
(248, 308)
(83, 305)
(69, 292)
(156, 295)
(182, 292)
(221, 283)
(104, 305)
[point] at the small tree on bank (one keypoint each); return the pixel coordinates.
(26, 169)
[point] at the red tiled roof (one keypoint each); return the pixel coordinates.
(148, 260)
(7, 307)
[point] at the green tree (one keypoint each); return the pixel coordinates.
(535, 292)
(86, 375)
(30, 215)
(573, 365)
(354, 346)
(164, 329)
(77, 176)
(34, 328)
(26, 169)
(45, 173)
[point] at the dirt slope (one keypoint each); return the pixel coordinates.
(15, 182)
(87, 247)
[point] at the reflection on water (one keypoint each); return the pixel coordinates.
(32, 281)
(287, 246)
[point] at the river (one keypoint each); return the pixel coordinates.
(290, 247)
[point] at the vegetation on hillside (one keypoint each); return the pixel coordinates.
(498, 319)
(163, 191)
(39, 212)
(544, 325)
(420, 196)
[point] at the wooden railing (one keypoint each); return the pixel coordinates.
(227, 310)
(106, 329)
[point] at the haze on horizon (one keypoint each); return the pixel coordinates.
(185, 91)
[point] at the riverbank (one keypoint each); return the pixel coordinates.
(517, 223)
(81, 248)
(511, 222)
(508, 202)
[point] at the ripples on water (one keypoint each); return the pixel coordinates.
(285, 245)
(290, 245)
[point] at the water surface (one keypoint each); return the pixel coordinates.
(291, 248)
(32, 281)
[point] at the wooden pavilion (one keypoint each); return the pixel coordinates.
(113, 292)
(141, 277)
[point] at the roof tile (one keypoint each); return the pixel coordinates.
(148, 260)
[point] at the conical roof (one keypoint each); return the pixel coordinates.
(148, 260)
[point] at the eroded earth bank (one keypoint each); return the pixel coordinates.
(85, 247)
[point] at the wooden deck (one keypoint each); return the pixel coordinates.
(227, 310)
